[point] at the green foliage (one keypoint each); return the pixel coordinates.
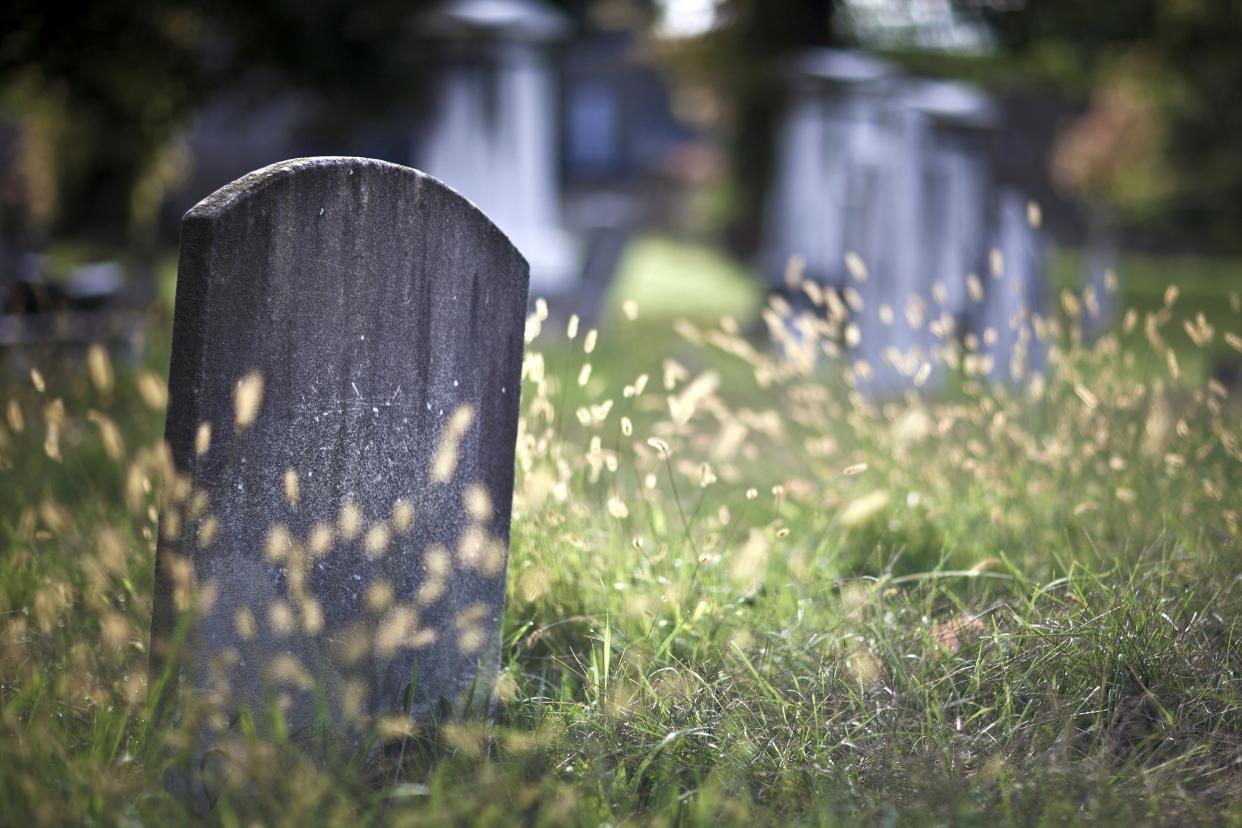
(119, 80)
(122, 77)
(1189, 67)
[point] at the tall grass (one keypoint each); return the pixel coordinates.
(740, 591)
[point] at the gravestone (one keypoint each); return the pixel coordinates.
(935, 210)
(1013, 295)
(1103, 253)
(343, 409)
(493, 129)
(830, 157)
(883, 189)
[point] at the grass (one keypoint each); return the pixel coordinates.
(669, 279)
(739, 594)
(1204, 285)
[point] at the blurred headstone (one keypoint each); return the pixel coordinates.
(1102, 255)
(1007, 333)
(343, 402)
(936, 203)
(831, 155)
(494, 131)
(91, 304)
(883, 190)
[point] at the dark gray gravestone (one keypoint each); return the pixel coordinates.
(343, 404)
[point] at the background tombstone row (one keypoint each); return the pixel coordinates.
(894, 171)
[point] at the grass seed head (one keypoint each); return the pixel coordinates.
(293, 489)
(375, 543)
(856, 266)
(402, 516)
(202, 439)
(349, 521)
(153, 391)
(99, 365)
(247, 398)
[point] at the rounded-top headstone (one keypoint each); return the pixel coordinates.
(343, 407)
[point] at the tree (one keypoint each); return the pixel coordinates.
(107, 84)
(1173, 70)
(104, 87)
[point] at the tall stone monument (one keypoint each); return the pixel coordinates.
(883, 189)
(935, 209)
(832, 155)
(494, 130)
(1013, 294)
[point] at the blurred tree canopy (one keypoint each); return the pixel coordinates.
(1160, 82)
(93, 95)
(1163, 80)
(98, 91)
(94, 90)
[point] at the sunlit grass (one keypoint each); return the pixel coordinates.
(1210, 287)
(739, 592)
(668, 278)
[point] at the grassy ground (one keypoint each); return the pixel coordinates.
(1206, 287)
(739, 593)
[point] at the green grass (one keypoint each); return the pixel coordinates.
(1019, 612)
(1207, 286)
(669, 279)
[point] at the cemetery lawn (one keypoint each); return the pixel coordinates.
(738, 594)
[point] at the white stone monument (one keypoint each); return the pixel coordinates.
(831, 156)
(935, 219)
(493, 134)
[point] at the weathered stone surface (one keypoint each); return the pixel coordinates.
(343, 409)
